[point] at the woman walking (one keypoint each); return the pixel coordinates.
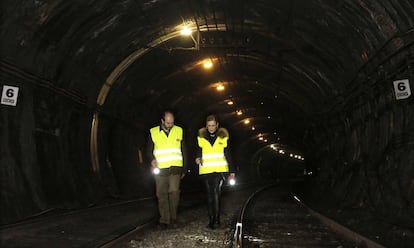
(213, 158)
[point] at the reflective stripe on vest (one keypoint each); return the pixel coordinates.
(167, 150)
(213, 155)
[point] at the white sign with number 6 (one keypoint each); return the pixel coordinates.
(9, 95)
(402, 89)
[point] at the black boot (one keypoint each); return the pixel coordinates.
(211, 222)
(217, 221)
(216, 211)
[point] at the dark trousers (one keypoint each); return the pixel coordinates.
(213, 183)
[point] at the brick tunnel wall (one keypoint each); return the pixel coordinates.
(365, 156)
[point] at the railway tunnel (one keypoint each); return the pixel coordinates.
(316, 90)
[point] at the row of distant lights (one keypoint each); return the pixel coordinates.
(220, 87)
(208, 64)
(281, 151)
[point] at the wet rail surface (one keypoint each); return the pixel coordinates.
(272, 217)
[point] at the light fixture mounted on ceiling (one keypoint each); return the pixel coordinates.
(186, 30)
(207, 64)
(220, 87)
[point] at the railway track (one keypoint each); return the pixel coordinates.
(88, 227)
(98, 226)
(271, 217)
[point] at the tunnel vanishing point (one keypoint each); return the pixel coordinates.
(311, 89)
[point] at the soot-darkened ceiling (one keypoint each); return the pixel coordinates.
(284, 63)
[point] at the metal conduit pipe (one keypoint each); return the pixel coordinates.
(10, 70)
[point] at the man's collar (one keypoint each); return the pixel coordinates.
(167, 131)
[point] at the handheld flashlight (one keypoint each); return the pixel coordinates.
(232, 182)
(156, 171)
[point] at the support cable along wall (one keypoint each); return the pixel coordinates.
(12, 72)
(396, 45)
(371, 82)
(380, 129)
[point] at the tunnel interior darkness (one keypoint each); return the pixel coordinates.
(307, 93)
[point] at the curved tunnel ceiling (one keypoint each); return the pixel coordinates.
(285, 64)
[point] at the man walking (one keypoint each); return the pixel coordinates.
(165, 146)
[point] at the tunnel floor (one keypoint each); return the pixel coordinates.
(192, 232)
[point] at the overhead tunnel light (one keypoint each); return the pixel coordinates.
(220, 87)
(207, 64)
(186, 31)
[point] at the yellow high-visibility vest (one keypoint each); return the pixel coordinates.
(213, 155)
(167, 150)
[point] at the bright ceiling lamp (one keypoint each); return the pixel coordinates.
(207, 64)
(186, 31)
(239, 112)
(247, 121)
(220, 87)
(230, 102)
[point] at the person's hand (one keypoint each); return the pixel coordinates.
(182, 175)
(154, 164)
(198, 161)
(231, 179)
